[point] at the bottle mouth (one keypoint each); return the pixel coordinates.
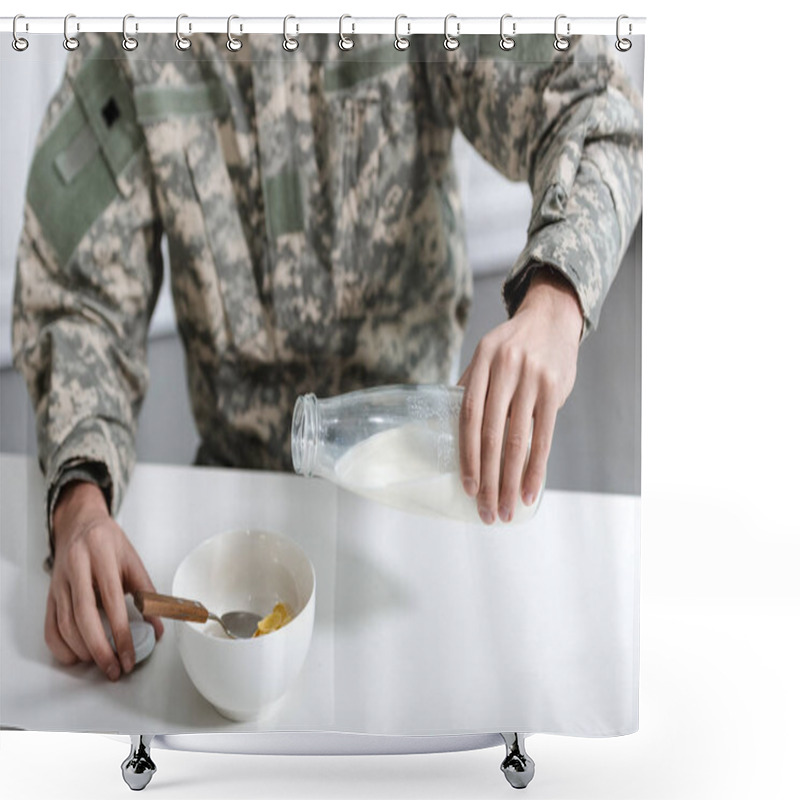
(304, 434)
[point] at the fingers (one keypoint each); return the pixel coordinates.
(505, 392)
(544, 423)
(117, 613)
(462, 381)
(87, 618)
(489, 385)
(526, 367)
(135, 577)
(73, 629)
(55, 642)
(67, 628)
(476, 379)
(495, 415)
(516, 449)
(94, 561)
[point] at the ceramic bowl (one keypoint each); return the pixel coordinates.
(245, 571)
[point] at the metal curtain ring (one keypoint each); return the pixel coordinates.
(290, 44)
(623, 45)
(506, 42)
(70, 42)
(451, 42)
(233, 44)
(18, 43)
(345, 42)
(560, 42)
(400, 42)
(181, 42)
(129, 43)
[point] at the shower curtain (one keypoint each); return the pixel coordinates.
(323, 213)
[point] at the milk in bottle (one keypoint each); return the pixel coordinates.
(394, 444)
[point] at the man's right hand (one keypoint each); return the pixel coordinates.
(94, 561)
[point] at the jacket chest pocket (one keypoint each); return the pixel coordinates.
(369, 153)
(334, 214)
(355, 181)
(213, 284)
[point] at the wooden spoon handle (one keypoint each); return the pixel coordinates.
(162, 605)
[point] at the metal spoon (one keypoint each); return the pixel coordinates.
(236, 624)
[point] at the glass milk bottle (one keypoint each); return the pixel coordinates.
(394, 444)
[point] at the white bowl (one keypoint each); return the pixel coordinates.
(245, 571)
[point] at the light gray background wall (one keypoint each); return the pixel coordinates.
(597, 441)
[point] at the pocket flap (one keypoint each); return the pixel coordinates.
(107, 104)
(155, 103)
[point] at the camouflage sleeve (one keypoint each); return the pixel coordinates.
(570, 124)
(87, 277)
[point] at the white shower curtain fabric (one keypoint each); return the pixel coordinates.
(308, 211)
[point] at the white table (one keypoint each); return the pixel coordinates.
(424, 628)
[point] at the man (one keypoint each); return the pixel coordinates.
(316, 244)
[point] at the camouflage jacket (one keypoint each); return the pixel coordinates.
(312, 218)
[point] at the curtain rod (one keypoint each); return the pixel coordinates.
(407, 26)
